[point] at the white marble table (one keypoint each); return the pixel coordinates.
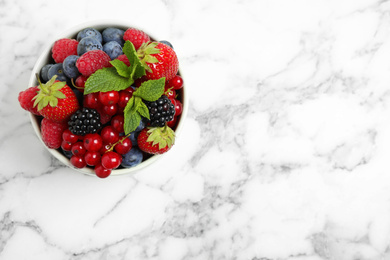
(285, 154)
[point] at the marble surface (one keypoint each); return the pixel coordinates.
(284, 154)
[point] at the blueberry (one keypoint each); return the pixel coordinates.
(88, 44)
(113, 34)
(44, 72)
(132, 158)
(113, 49)
(68, 154)
(141, 125)
(70, 68)
(167, 43)
(133, 138)
(90, 32)
(79, 96)
(57, 69)
(134, 135)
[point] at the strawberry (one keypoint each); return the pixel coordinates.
(26, 101)
(156, 140)
(52, 133)
(159, 60)
(56, 101)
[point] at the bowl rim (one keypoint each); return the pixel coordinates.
(71, 33)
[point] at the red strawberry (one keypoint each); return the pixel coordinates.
(159, 60)
(156, 140)
(136, 37)
(92, 61)
(26, 101)
(56, 101)
(62, 48)
(52, 133)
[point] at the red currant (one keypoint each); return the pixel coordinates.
(91, 101)
(92, 158)
(129, 89)
(117, 123)
(93, 142)
(80, 82)
(124, 97)
(78, 161)
(66, 146)
(78, 149)
(109, 97)
(68, 136)
(109, 135)
(170, 92)
(124, 146)
(110, 109)
(111, 160)
(172, 123)
(104, 148)
(178, 107)
(101, 172)
(176, 82)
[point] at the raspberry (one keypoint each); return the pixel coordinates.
(92, 61)
(136, 37)
(161, 111)
(63, 48)
(52, 133)
(84, 121)
(26, 102)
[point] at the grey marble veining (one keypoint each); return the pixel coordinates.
(284, 153)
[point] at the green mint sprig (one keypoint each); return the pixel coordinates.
(135, 109)
(118, 77)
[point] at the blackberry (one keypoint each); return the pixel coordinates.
(85, 121)
(161, 111)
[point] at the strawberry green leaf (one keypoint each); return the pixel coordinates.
(151, 59)
(121, 68)
(106, 79)
(52, 101)
(163, 136)
(58, 85)
(59, 94)
(145, 54)
(48, 93)
(151, 90)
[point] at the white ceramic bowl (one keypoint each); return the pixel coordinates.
(45, 58)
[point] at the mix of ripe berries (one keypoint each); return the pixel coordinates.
(89, 128)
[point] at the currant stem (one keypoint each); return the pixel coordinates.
(119, 141)
(74, 85)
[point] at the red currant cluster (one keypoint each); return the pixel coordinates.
(103, 151)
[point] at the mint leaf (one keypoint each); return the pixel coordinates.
(132, 118)
(136, 68)
(151, 90)
(132, 121)
(143, 110)
(121, 68)
(106, 79)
